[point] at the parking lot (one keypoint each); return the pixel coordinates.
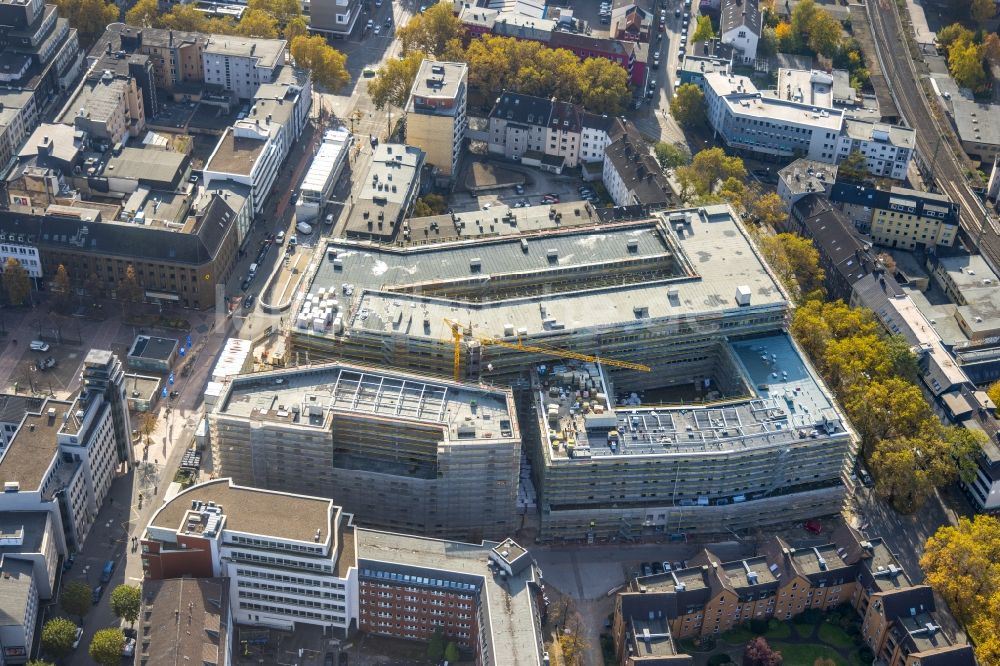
(48, 372)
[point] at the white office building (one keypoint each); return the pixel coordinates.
(764, 123)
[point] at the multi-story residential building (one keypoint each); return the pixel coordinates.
(713, 596)
(390, 188)
(335, 18)
(41, 58)
(435, 115)
(632, 175)
(739, 26)
(64, 455)
(803, 177)
(633, 20)
(288, 560)
(242, 64)
(769, 125)
(551, 134)
(177, 56)
(109, 109)
(202, 602)
(899, 217)
(844, 256)
(398, 450)
(564, 288)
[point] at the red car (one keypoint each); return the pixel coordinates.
(812, 526)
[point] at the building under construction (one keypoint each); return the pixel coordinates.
(404, 452)
(681, 311)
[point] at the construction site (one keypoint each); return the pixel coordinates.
(655, 384)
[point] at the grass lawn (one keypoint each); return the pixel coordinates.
(807, 653)
(738, 636)
(804, 627)
(777, 629)
(834, 635)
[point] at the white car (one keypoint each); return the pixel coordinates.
(280, 238)
(378, 30)
(78, 637)
(128, 650)
(303, 228)
(39, 346)
(378, 3)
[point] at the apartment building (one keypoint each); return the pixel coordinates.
(435, 110)
(177, 56)
(899, 618)
(109, 109)
(803, 177)
(284, 554)
(631, 174)
(336, 18)
(713, 596)
(397, 450)
(201, 602)
(764, 123)
(286, 560)
(550, 134)
(899, 217)
(41, 59)
(242, 64)
(64, 455)
(740, 26)
(633, 20)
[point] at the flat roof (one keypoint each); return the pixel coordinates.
(651, 637)
(702, 253)
(147, 346)
(883, 567)
(29, 455)
(805, 86)
(803, 176)
(267, 51)
(97, 100)
(332, 151)
(977, 122)
(235, 154)
(678, 580)
(153, 164)
(22, 531)
(508, 605)
(499, 219)
(818, 559)
(865, 130)
(202, 604)
(787, 404)
(15, 587)
(742, 574)
(253, 511)
(462, 411)
(437, 80)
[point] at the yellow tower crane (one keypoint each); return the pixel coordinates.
(457, 336)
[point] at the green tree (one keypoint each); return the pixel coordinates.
(89, 17)
(965, 62)
(39, 662)
(16, 282)
(391, 86)
(983, 10)
(767, 45)
(329, 66)
(58, 635)
(106, 647)
(126, 601)
(62, 291)
(671, 155)
(802, 18)
(296, 27)
(551, 72)
(493, 60)
(258, 23)
(573, 644)
(435, 648)
(129, 288)
(688, 105)
(431, 31)
(966, 447)
(769, 210)
(796, 262)
(603, 86)
(703, 30)
(902, 412)
(144, 14)
(853, 168)
(75, 598)
(950, 34)
(708, 168)
(824, 34)
(281, 10)
(451, 652)
(184, 17)
(852, 363)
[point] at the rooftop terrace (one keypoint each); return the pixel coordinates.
(308, 398)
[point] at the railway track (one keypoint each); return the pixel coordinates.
(934, 144)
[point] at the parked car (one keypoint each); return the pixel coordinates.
(657, 568)
(647, 570)
(519, 188)
(813, 527)
(39, 346)
(95, 596)
(304, 228)
(128, 650)
(280, 238)
(246, 284)
(77, 637)
(49, 362)
(666, 566)
(378, 30)
(248, 303)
